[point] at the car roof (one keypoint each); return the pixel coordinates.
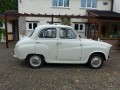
(52, 26)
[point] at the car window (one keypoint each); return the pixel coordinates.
(48, 33)
(66, 33)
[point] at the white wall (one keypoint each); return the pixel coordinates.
(116, 6)
(45, 6)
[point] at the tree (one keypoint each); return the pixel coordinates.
(8, 5)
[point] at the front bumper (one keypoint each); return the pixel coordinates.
(108, 58)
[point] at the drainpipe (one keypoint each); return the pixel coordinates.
(112, 2)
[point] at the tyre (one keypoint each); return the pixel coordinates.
(35, 61)
(95, 61)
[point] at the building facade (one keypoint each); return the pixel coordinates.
(56, 7)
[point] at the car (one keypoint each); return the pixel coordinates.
(60, 44)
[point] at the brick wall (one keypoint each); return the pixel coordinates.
(22, 25)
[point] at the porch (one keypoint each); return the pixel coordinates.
(104, 26)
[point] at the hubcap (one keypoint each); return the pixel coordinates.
(96, 61)
(35, 61)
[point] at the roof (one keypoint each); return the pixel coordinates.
(10, 12)
(105, 14)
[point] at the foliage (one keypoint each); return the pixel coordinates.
(8, 5)
(65, 21)
(2, 31)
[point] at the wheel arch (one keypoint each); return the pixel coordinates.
(101, 53)
(42, 56)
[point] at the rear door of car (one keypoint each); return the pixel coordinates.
(46, 43)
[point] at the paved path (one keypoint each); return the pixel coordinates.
(16, 75)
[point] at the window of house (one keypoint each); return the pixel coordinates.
(79, 27)
(66, 33)
(89, 3)
(115, 31)
(60, 3)
(48, 33)
(1, 24)
(104, 32)
(105, 3)
(31, 25)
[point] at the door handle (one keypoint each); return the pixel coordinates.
(58, 43)
(38, 42)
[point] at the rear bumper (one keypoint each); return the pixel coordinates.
(13, 54)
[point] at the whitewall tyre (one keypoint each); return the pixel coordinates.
(35, 61)
(95, 61)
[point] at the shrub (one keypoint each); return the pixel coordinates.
(2, 31)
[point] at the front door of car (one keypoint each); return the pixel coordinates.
(46, 43)
(69, 46)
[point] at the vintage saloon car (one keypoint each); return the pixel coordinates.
(60, 44)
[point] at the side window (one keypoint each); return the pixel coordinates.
(66, 33)
(48, 33)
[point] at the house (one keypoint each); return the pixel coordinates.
(56, 7)
(96, 19)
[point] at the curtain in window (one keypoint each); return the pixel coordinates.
(54, 2)
(94, 3)
(89, 3)
(60, 3)
(66, 3)
(83, 3)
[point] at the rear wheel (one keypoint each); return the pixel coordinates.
(95, 61)
(35, 61)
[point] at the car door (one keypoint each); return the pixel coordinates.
(46, 43)
(69, 46)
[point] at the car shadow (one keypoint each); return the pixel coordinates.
(65, 66)
(24, 64)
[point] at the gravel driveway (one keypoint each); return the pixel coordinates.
(16, 75)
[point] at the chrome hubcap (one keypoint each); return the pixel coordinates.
(96, 61)
(35, 61)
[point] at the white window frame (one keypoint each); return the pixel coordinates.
(87, 6)
(79, 24)
(63, 6)
(27, 25)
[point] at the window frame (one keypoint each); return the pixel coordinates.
(67, 38)
(86, 4)
(58, 4)
(44, 37)
(83, 30)
(32, 23)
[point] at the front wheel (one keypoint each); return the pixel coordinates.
(95, 61)
(35, 61)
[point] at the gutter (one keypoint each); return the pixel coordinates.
(112, 2)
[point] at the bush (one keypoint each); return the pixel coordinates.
(2, 31)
